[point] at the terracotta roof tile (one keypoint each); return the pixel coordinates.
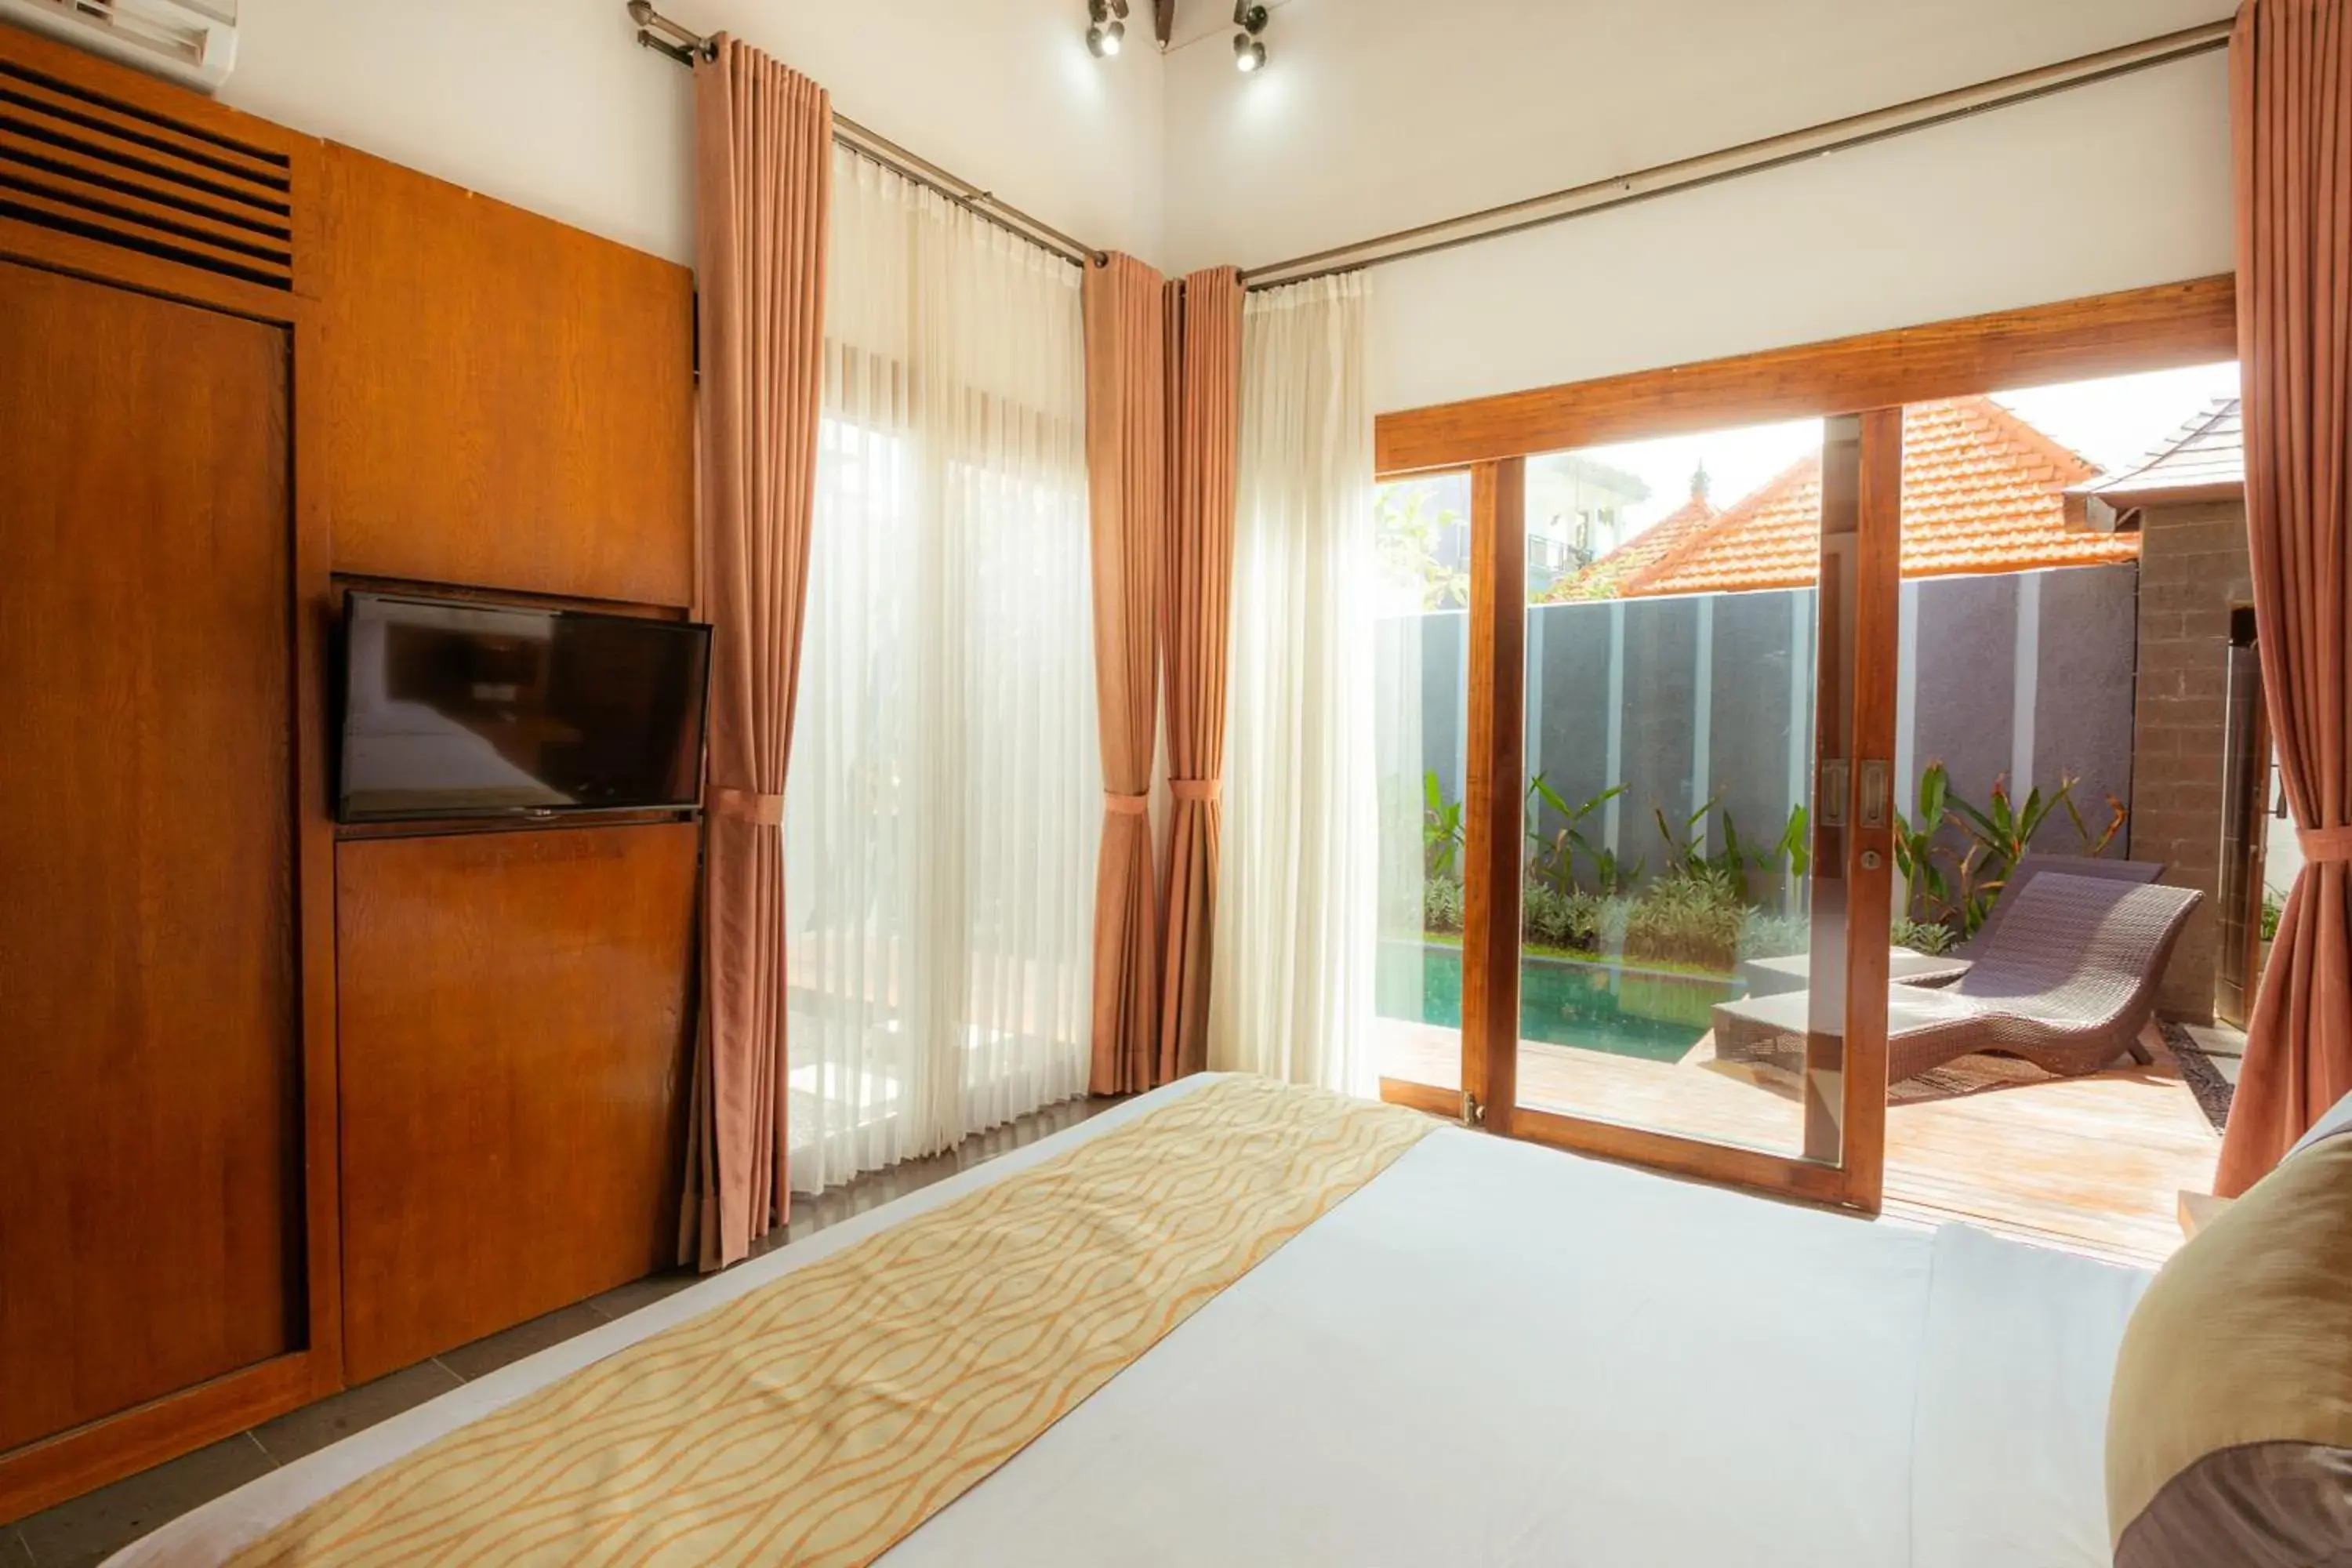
(1982, 491)
(1644, 550)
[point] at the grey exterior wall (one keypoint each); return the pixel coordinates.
(1657, 723)
(1963, 679)
(1568, 692)
(2073, 632)
(1706, 707)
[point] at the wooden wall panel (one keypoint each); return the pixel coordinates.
(150, 1148)
(509, 401)
(514, 1018)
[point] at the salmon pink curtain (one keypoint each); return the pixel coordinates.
(1204, 367)
(763, 152)
(1126, 399)
(2291, 125)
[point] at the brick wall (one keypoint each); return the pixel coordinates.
(2192, 574)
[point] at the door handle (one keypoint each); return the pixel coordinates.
(1828, 793)
(1871, 807)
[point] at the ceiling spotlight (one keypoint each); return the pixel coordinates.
(1249, 50)
(1108, 26)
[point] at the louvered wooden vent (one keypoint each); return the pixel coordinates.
(79, 162)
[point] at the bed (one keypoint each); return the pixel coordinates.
(1491, 1352)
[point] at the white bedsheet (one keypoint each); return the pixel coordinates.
(2010, 1458)
(1492, 1353)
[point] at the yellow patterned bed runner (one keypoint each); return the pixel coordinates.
(819, 1419)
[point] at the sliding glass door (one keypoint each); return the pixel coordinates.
(1422, 739)
(1667, 827)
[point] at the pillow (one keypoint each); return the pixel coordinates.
(2230, 1428)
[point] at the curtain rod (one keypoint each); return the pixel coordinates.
(686, 46)
(1748, 158)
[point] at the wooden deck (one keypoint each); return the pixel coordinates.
(2093, 1164)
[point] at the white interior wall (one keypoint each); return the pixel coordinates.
(2112, 186)
(1376, 114)
(550, 104)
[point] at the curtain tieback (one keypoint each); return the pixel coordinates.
(747, 805)
(1197, 789)
(1120, 804)
(2324, 842)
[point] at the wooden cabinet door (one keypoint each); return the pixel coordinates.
(150, 1144)
(515, 1020)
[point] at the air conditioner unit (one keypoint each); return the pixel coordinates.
(193, 42)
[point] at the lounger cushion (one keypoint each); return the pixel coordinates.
(2230, 1430)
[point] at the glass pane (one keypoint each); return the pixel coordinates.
(2076, 682)
(1421, 729)
(1664, 977)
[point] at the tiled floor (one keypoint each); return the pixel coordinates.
(87, 1528)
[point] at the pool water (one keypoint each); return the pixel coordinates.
(1587, 1003)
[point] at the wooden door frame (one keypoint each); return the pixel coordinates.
(51, 1469)
(2158, 327)
(1873, 376)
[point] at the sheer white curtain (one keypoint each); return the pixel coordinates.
(1292, 982)
(940, 816)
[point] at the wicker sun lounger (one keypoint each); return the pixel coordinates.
(1769, 976)
(2067, 981)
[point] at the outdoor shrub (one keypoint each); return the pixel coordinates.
(1441, 904)
(1767, 935)
(1998, 837)
(1555, 919)
(1930, 937)
(1693, 920)
(1616, 914)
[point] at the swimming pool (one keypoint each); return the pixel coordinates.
(1588, 1003)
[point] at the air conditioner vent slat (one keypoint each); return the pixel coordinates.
(131, 213)
(31, 208)
(106, 160)
(85, 166)
(135, 126)
(81, 163)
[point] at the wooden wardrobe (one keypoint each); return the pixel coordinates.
(240, 369)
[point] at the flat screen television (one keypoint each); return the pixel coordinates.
(455, 708)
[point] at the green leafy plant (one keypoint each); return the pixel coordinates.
(1569, 920)
(1612, 878)
(2274, 906)
(1693, 918)
(1957, 889)
(1795, 849)
(2002, 833)
(1764, 934)
(1921, 936)
(1916, 851)
(1686, 848)
(1441, 829)
(1408, 535)
(1440, 905)
(1554, 857)
(1687, 854)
